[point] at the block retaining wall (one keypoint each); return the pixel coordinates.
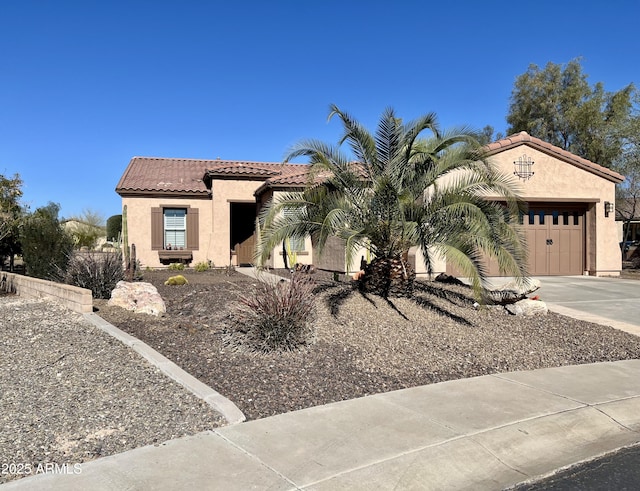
(72, 297)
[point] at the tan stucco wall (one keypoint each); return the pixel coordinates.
(224, 193)
(214, 224)
(139, 227)
(556, 180)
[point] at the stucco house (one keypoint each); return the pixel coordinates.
(205, 210)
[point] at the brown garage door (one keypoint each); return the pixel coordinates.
(555, 238)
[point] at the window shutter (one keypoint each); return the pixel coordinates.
(193, 229)
(157, 229)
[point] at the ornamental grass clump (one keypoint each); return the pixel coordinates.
(275, 315)
(98, 272)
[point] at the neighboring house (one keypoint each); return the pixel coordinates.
(205, 210)
(79, 227)
(628, 213)
(628, 220)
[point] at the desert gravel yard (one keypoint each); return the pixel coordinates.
(364, 345)
(70, 393)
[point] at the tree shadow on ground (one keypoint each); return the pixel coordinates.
(427, 304)
(335, 299)
(459, 295)
(460, 298)
(424, 296)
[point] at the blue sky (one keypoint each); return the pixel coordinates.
(86, 85)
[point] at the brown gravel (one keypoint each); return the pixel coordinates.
(364, 344)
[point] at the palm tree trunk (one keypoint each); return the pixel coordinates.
(388, 277)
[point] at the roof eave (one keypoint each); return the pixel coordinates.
(557, 153)
(278, 187)
(155, 193)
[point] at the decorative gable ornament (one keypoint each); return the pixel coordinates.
(523, 167)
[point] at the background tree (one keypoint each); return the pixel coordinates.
(10, 215)
(86, 229)
(557, 105)
(488, 135)
(628, 192)
(114, 227)
(403, 191)
(46, 246)
(10, 194)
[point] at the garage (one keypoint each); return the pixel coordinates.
(569, 224)
(555, 239)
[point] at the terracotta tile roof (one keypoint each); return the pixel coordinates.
(294, 178)
(243, 169)
(523, 138)
(151, 175)
(187, 177)
(254, 170)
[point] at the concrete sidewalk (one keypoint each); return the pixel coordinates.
(487, 432)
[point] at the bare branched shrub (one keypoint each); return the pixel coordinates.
(275, 315)
(99, 272)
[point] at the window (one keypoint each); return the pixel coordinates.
(293, 244)
(175, 228)
(178, 226)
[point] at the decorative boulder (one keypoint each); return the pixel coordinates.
(512, 291)
(527, 307)
(139, 297)
(445, 278)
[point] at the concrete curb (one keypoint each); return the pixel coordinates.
(217, 401)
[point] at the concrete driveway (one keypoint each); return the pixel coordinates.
(611, 301)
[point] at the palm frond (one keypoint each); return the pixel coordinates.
(409, 185)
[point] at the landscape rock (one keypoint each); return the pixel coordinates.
(139, 297)
(512, 291)
(445, 278)
(527, 307)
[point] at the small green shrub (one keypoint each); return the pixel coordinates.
(176, 267)
(176, 280)
(99, 272)
(275, 315)
(114, 227)
(46, 247)
(201, 267)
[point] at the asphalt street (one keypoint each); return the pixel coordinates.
(616, 472)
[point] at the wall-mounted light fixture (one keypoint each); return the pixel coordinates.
(523, 167)
(608, 208)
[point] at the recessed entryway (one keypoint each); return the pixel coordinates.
(243, 220)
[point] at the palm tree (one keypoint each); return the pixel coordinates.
(399, 190)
